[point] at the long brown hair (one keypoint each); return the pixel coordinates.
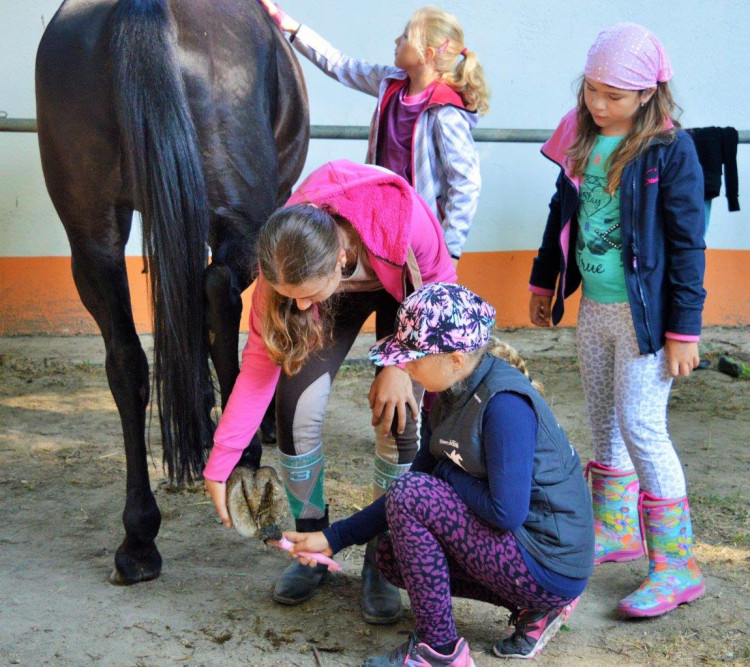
(297, 244)
(648, 124)
(436, 28)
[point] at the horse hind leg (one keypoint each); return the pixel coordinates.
(101, 278)
(223, 284)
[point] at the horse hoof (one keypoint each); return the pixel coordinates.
(117, 579)
(132, 566)
(255, 500)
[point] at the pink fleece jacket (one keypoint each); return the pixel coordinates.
(390, 217)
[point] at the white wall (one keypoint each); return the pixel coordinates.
(532, 51)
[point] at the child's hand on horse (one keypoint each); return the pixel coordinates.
(283, 20)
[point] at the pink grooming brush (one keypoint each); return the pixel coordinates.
(318, 557)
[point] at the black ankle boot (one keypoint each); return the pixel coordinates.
(298, 582)
(381, 600)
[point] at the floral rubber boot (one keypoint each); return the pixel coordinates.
(673, 575)
(616, 526)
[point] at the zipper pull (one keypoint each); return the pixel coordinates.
(635, 255)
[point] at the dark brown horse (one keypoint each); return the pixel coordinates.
(194, 113)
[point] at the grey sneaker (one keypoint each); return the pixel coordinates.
(533, 630)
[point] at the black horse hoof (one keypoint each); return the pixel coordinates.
(116, 579)
(129, 570)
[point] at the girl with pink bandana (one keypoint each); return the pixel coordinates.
(629, 201)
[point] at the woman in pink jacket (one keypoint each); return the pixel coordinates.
(351, 241)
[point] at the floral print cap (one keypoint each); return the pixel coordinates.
(436, 319)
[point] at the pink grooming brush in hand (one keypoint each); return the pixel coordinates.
(318, 557)
(272, 535)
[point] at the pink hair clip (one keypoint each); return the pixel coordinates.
(441, 49)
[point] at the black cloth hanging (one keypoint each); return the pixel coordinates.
(717, 151)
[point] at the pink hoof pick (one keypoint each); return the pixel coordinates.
(318, 557)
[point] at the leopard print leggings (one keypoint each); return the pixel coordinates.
(438, 547)
(626, 399)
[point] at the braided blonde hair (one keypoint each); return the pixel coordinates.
(501, 350)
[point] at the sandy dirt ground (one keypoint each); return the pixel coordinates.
(62, 479)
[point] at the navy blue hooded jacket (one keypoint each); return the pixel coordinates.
(662, 221)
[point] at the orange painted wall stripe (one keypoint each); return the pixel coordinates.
(38, 296)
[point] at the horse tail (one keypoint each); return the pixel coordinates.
(163, 164)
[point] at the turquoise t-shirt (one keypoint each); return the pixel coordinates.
(599, 242)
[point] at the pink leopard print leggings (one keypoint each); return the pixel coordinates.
(438, 547)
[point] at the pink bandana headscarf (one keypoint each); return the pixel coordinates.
(628, 56)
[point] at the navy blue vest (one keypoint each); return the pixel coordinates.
(559, 529)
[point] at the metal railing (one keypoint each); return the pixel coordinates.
(17, 124)
(489, 134)
(481, 134)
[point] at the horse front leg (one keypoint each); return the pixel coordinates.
(101, 279)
